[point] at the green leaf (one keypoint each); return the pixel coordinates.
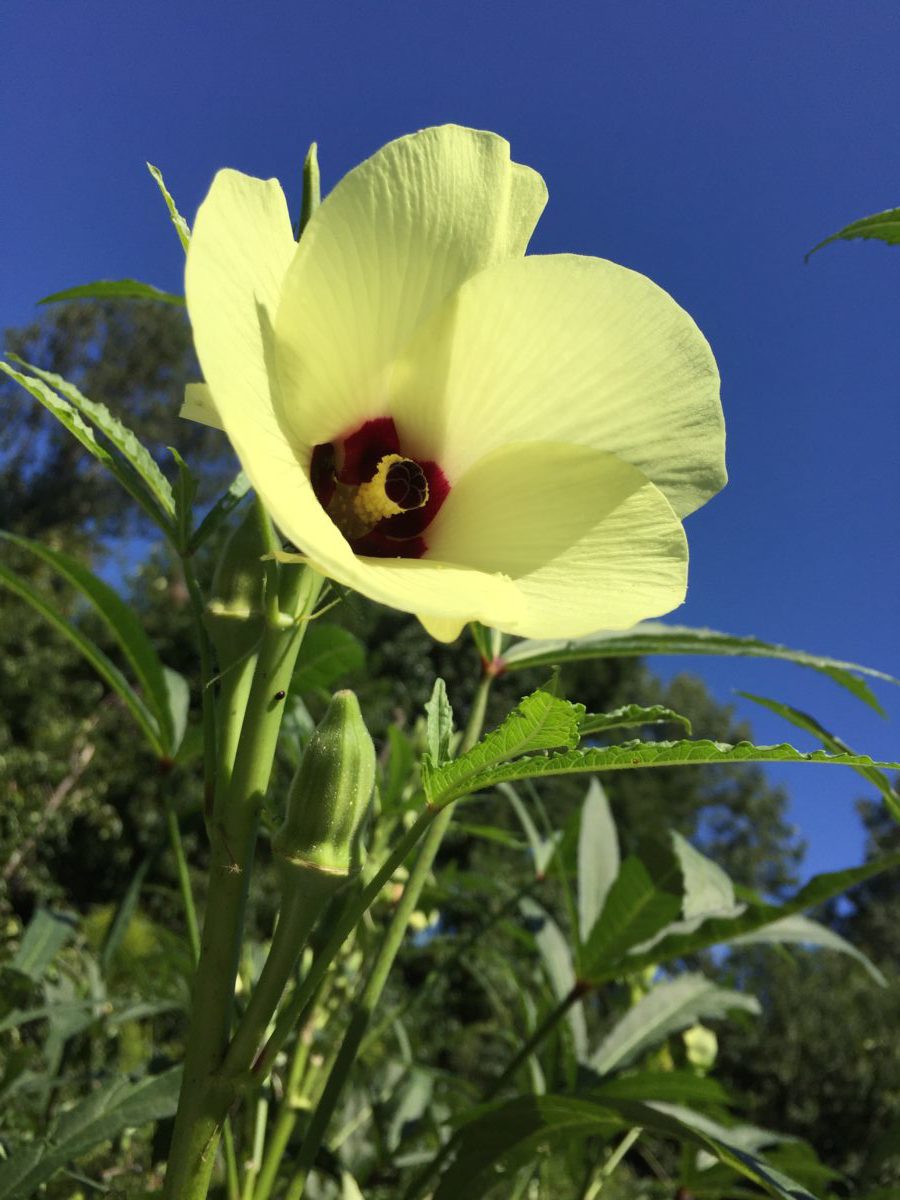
(631, 715)
(178, 698)
(541, 721)
(439, 725)
(181, 226)
(687, 937)
(655, 637)
(801, 930)
(119, 1105)
(598, 857)
(136, 456)
(102, 664)
(125, 627)
(554, 950)
(220, 511)
(636, 908)
(46, 934)
(736, 1146)
(329, 654)
(490, 833)
(448, 785)
(512, 1131)
(707, 889)
(517, 1131)
(71, 419)
(114, 289)
(680, 1086)
(885, 226)
(803, 720)
(667, 1008)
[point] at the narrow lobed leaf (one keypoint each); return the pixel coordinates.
(628, 756)
(114, 289)
(439, 724)
(631, 716)
(598, 857)
(102, 664)
(45, 935)
(884, 226)
(137, 457)
(120, 619)
(181, 226)
(107, 1112)
(800, 930)
(655, 637)
(830, 741)
(687, 937)
(541, 721)
(668, 1008)
(636, 908)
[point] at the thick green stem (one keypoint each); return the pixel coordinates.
(363, 1008)
(205, 1097)
(302, 907)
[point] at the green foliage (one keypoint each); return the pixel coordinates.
(883, 226)
(667, 1008)
(654, 637)
(541, 721)
(439, 725)
(118, 1105)
(114, 289)
(532, 967)
(181, 226)
(165, 696)
(469, 775)
(804, 721)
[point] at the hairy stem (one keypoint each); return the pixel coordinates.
(205, 1096)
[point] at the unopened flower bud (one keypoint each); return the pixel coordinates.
(329, 796)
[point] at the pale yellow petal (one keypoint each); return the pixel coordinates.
(572, 349)
(199, 406)
(238, 254)
(397, 236)
(442, 629)
(589, 541)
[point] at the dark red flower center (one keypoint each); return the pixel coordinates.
(381, 500)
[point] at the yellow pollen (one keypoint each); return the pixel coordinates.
(372, 502)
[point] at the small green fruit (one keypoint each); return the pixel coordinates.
(330, 795)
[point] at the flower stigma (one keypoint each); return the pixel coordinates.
(381, 499)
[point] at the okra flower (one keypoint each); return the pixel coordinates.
(440, 422)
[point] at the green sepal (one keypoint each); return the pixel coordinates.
(329, 796)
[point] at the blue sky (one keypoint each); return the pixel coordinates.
(706, 144)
